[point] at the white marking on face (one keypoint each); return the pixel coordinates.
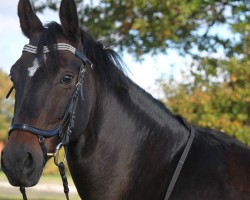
(32, 70)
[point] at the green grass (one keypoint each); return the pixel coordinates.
(2, 175)
(9, 197)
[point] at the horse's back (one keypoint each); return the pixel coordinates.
(239, 170)
(217, 168)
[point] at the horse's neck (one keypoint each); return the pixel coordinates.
(125, 138)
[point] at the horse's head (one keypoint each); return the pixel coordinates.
(49, 89)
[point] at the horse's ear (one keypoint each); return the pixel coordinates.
(29, 22)
(69, 18)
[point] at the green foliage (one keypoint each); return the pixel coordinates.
(6, 105)
(218, 97)
(143, 26)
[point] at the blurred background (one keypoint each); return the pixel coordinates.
(193, 55)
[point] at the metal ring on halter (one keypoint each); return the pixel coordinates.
(56, 154)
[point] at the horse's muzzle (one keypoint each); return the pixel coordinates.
(21, 165)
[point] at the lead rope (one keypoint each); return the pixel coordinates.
(22, 190)
(61, 168)
(64, 179)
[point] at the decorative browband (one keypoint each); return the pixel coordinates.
(59, 46)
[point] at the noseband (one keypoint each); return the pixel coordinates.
(64, 129)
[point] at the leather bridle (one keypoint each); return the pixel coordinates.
(64, 129)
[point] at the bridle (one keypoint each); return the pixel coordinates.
(64, 129)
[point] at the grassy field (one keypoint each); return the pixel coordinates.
(48, 188)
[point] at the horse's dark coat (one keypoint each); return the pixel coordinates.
(126, 144)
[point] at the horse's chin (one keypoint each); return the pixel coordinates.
(19, 179)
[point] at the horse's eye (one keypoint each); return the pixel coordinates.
(67, 79)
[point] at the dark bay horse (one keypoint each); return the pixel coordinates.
(121, 143)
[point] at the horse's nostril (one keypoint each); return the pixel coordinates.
(29, 164)
(29, 160)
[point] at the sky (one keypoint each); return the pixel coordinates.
(144, 73)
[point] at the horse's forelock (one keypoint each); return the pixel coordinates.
(48, 38)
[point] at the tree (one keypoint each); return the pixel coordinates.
(6, 106)
(143, 26)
